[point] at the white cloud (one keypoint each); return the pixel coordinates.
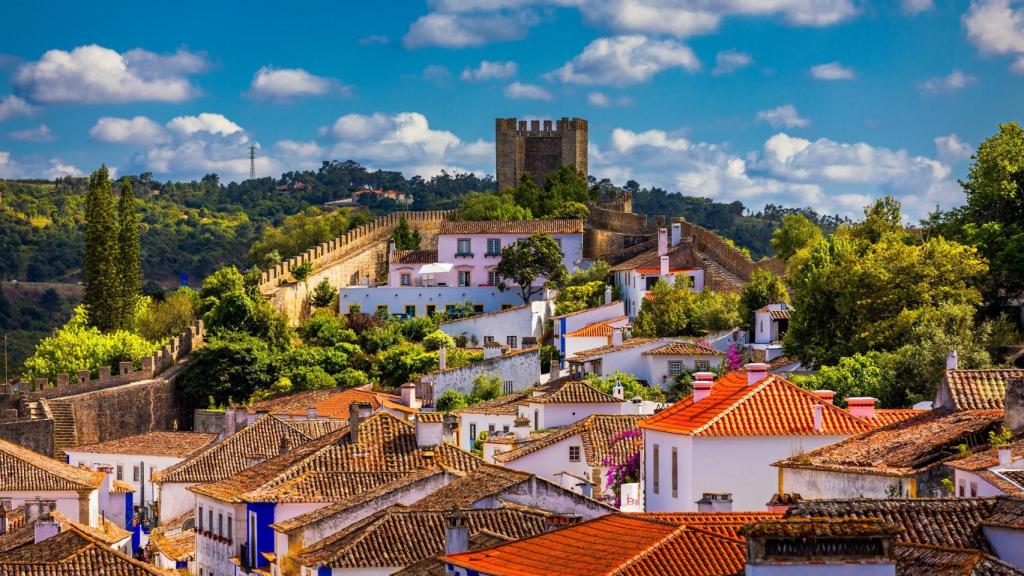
(59, 169)
(488, 70)
(996, 27)
(11, 105)
(785, 116)
(462, 30)
(283, 84)
(829, 176)
(521, 91)
(40, 133)
(832, 71)
(206, 122)
(729, 61)
(952, 82)
(374, 40)
(914, 7)
(952, 149)
(624, 60)
(438, 75)
(93, 74)
(50, 169)
(602, 100)
(137, 130)
(405, 142)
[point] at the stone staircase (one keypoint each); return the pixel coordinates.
(719, 277)
(35, 410)
(65, 431)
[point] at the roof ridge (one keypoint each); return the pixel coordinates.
(729, 409)
(640, 555)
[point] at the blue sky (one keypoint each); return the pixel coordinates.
(822, 103)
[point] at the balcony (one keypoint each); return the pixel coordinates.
(492, 255)
(463, 254)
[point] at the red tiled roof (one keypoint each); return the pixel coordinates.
(585, 355)
(414, 257)
(887, 416)
(26, 470)
(683, 349)
(987, 459)
(648, 270)
(616, 544)
(727, 523)
(979, 389)
(157, 443)
(772, 406)
(329, 403)
(596, 330)
(511, 227)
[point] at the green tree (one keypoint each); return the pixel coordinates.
(231, 366)
(170, 316)
(795, 234)
(678, 311)
(485, 387)
(100, 265)
(580, 297)
(631, 387)
(129, 256)
(437, 340)
(857, 375)
(405, 237)
(50, 300)
(450, 400)
(762, 289)
(324, 328)
(528, 195)
(324, 294)
(492, 206)
(528, 260)
(571, 211)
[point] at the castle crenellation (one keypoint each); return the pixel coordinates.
(538, 147)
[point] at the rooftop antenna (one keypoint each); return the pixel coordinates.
(252, 162)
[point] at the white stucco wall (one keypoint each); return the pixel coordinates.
(562, 415)
(575, 345)
(147, 465)
(67, 501)
(396, 299)
(212, 555)
(521, 322)
(1007, 543)
(521, 368)
(175, 499)
(822, 484)
(984, 489)
(482, 422)
(550, 460)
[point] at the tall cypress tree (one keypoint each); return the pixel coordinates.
(130, 255)
(100, 268)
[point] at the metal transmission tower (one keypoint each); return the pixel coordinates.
(252, 162)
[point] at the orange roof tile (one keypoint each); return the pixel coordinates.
(616, 544)
(156, 443)
(596, 330)
(414, 257)
(24, 469)
(648, 270)
(887, 416)
(683, 349)
(979, 389)
(772, 406)
(727, 523)
(329, 402)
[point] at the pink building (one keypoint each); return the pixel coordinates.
(468, 252)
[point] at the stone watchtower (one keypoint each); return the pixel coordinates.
(537, 149)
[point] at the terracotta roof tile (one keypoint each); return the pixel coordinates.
(158, 443)
(780, 314)
(679, 348)
(72, 552)
(486, 481)
(597, 329)
(24, 469)
(597, 433)
(727, 523)
(24, 534)
(772, 406)
(172, 541)
(979, 389)
(505, 404)
(256, 442)
(921, 560)
(576, 392)
(987, 459)
(1008, 513)
(680, 258)
(435, 567)
(888, 416)
(937, 521)
(414, 257)
(511, 227)
(820, 528)
(637, 547)
(1009, 482)
(330, 403)
(902, 448)
(400, 537)
(598, 352)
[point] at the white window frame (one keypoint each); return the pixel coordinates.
(675, 367)
(574, 453)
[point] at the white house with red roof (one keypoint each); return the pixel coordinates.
(656, 361)
(589, 328)
(723, 439)
(672, 260)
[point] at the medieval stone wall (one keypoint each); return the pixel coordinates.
(727, 256)
(538, 148)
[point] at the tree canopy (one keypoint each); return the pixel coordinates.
(528, 259)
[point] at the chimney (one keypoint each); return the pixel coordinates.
(617, 337)
(664, 266)
(618, 391)
(827, 396)
(285, 445)
(1005, 456)
(756, 371)
(492, 349)
(429, 429)
(861, 406)
(1014, 405)
(715, 502)
(442, 358)
(357, 412)
(952, 362)
(677, 233)
(46, 526)
(818, 413)
(607, 294)
(409, 399)
(456, 533)
(586, 489)
(311, 413)
(662, 241)
(555, 370)
(702, 384)
(638, 404)
(522, 427)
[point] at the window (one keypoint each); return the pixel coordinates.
(229, 527)
(490, 429)
(120, 471)
(656, 471)
(463, 247)
(962, 486)
(574, 453)
(220, 524)
(211, 521)
(536, 419)
(506, 307)
(492, 277)
(508, 387)
(431, 309)
(410, 311)
(354, 309)
(488, 339)
(493, 247)
(529, 341)
(974, 489)
(511, 341)
(675, 472)
(478, 308)
(199, 518)
(135, 473)
(703, 366)
(406, 279)
(472, 434)
(382, 309)
(504, 429)
(463, 277)
(675, 367)
(152, 473)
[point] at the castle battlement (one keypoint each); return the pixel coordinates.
(540, 128)
(538, 147)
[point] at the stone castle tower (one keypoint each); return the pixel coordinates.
(538, 150)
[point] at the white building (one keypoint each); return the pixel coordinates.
(656, 361)
(515, 327)
(41, 484)
(995, 472)
(409, 302)
(590, 328)
(770, 325)
(723, 439)
(673, 260)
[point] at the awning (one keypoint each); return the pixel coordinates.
(436, 268)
